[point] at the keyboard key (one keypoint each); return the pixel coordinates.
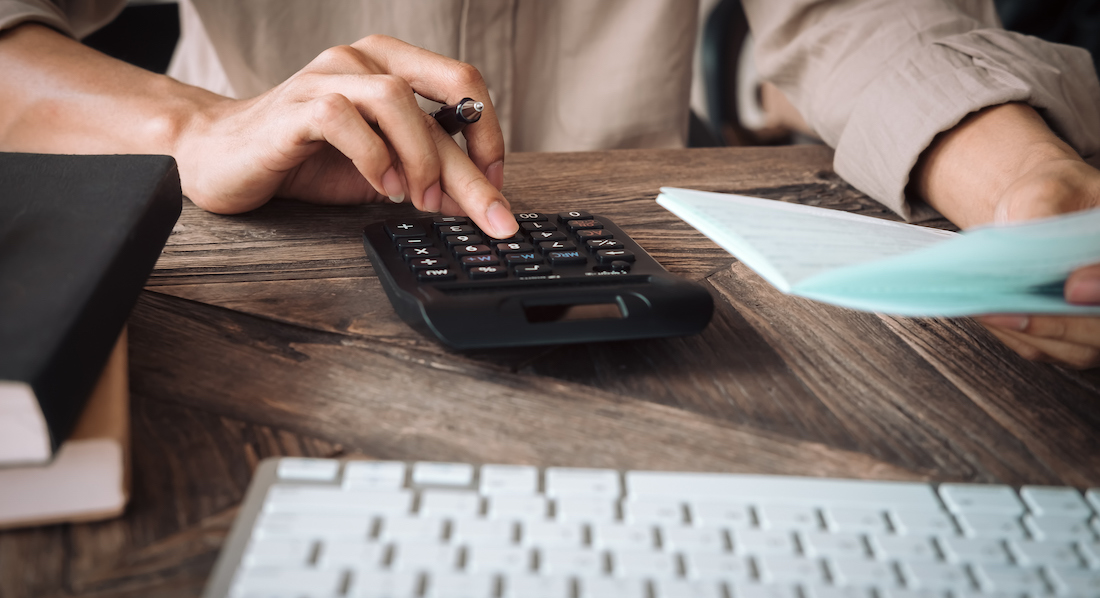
(1005, 578)
(509, 479)
(975, 550)
(815, 492)
(680, 588)
(289, 582)
(344, 553)
(903, 548)
(1091, 552)
(336, 500)
(981, 498)
(291, 525)
(566, 257)
(565, 481)
(421, 556)
(427, 263)
(1075, 581)
(643, 563)
(373, 583)
(790, 569)
(498, 559)
(788, 517)
(482, 531)
(923, 523)
(442, 474)
(518, 507)
(855, 519)
(692, 539)
(312, 470)
(936, 576)
(823, 544)
(1057, 553)
(580, 224)
(1051, 500)
(453, 240)
(584, 508)
(617, 536)
(556, 560)
(532, 270)
(1093, 497)
(720, 514)
(421, 252)
(1058, 527)
(861, 572)
(757, 590)
(609, 587)
(1000, 525)
(842, 592)
(404, 228)
(753, 541)
(551, 533)
(459, 585)
(421, 529)
(712, 565)
(528, 586)
(653, 511)
(449, 503)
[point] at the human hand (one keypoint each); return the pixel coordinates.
(347, 129)
(1050, 188)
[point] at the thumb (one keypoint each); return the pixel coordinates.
(1083, 286)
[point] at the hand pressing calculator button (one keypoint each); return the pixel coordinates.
(564, 278)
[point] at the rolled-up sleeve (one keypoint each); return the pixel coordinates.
(75, 18)
(879, 79)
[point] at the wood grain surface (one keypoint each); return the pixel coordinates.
(268, 334)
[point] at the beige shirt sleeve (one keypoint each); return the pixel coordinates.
(879, 79)
(76, 18)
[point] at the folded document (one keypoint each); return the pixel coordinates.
(871, 264)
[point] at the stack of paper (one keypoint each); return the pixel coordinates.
(870, 264)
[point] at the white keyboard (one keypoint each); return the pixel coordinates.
(373, 529)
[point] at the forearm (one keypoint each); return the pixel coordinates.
(61, 96)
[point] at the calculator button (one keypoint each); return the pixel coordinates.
(546, 246)
(480, 260)
(548, 235)
(593, 233)
(603, 244)
(427, 263)
(404, 228)
(449, 220)
(530, 217)
(418, 252)
(413, 242)
(488, 272)
(517, 238)
(565, 216)
(611, 255)
(532, 270)
(461, 250)
(529, 257)
(503, 248)
(575, 225)
(453, 240)
(536, 226)
(457, 229)
(436, 274)
(566, 257)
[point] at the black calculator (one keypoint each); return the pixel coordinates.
(564, 278)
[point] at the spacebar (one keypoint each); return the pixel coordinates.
(779, 489)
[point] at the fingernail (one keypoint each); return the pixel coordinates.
(1083, 290)
(1017, 323)
(495, 174)
(504, 224)
(433, 198)
(392, 182)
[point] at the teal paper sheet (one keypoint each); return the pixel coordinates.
(875, 265)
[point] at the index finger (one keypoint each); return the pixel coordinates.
(446, 80)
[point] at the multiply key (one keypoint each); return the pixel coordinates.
(420, 252)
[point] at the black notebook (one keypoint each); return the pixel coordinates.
(79, 235)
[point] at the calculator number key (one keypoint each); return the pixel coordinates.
(503, 248)
(596, 244)
(605, 256)
(488, 272)
(530, 217)
(575, 215)
(420, 252)
(536, 226)
(547, 246)
(461, 250)
(548, 235)
(453, 240)
(457, 229)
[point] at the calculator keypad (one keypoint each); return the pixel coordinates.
(452, 247)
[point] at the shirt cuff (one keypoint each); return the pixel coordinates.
(899, 114)
(17, 12)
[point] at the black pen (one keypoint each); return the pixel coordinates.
(454, 117)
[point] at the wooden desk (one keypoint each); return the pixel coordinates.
(268, 334)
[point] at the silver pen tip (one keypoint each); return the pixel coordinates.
(479, 106)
